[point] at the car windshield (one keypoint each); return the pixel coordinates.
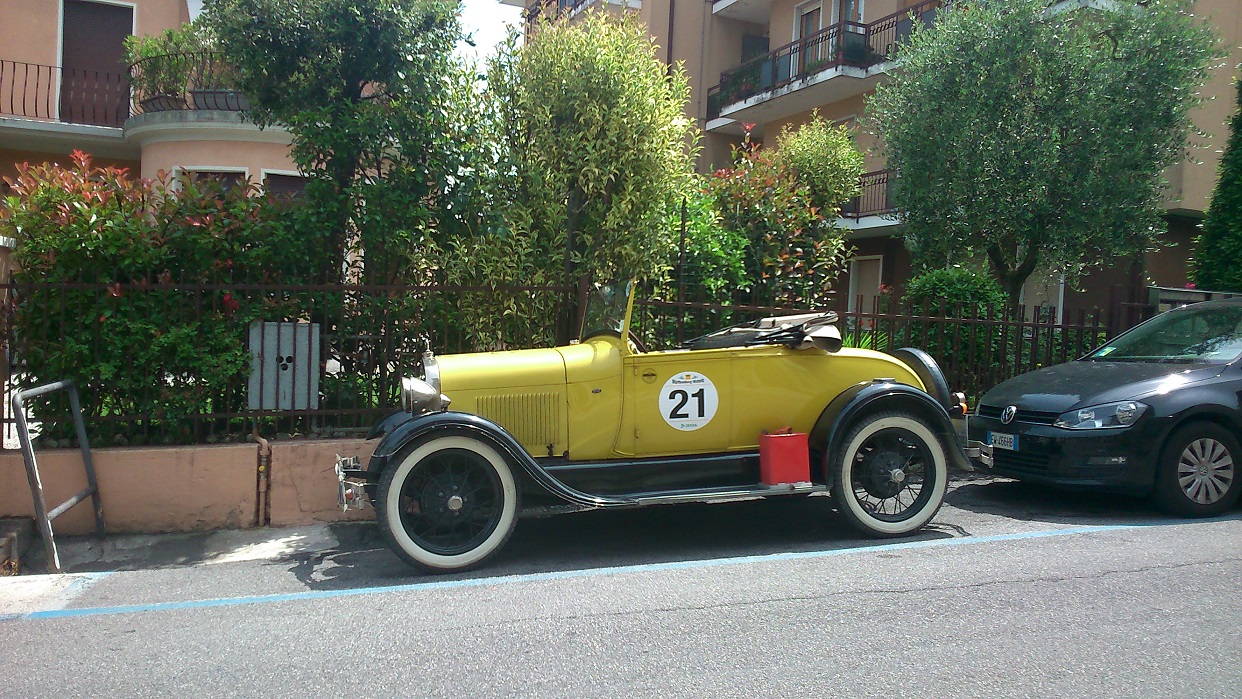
(1198, 335)
(605, 309)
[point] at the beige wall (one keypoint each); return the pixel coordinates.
(172, 489)
(143, 490)
(10, 158)
(1194, 181)
(224, 155)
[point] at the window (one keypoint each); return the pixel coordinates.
(289, 186)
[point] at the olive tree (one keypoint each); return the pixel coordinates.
(597, 145)
(363, 86)
(1217, 263)
(1037, 137)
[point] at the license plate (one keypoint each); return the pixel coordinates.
(1000, 440)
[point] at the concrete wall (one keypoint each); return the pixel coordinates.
(225, 155)
(181, 489)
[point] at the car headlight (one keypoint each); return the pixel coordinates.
(419, 395)
(1120, 414)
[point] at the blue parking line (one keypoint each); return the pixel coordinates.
(581, 573)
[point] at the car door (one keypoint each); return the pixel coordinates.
(677, 402)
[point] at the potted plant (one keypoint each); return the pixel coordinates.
(158, 71)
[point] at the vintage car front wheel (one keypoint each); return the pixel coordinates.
(890, 475)
(446, 504)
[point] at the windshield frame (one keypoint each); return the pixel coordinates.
(607, 310)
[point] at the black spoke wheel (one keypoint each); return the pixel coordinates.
(446, 504)
(890, 475)
(1197, 475)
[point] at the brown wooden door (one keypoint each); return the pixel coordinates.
(94, 88)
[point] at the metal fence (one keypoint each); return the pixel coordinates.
(187, 363)
(184, 363)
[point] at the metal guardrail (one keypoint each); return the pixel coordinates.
(42, 514)
(52, 93)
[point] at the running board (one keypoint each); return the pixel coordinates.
(728, 494)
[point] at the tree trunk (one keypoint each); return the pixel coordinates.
(1012, 279)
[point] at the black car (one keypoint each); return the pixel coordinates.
(1156, 411)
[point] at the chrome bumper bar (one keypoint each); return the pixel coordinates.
(351, 492)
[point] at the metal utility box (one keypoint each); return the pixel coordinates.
(284, 366)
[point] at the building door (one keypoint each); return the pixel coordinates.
(865, 276)
(94, 85)
(811, 52)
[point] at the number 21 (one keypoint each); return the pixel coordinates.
(682, 397)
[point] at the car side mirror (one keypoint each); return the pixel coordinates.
(825, 337)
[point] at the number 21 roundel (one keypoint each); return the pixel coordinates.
(688, 401)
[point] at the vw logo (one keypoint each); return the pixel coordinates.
(1008, 414)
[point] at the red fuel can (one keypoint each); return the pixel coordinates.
(784, 458)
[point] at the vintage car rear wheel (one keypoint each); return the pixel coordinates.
(891, 474)
(1197, 475)
(447, 504)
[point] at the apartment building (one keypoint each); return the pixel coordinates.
(64, 86)
(771, 62)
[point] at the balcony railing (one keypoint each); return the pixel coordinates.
(51, 93)
(186, 81)
(843, 44)
(551, 9)
(873, 199)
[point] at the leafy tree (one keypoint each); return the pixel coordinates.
(597, 147)
(1037, 138)
(823, 160)
(784, 202)
(363, 87)
(1217, 264)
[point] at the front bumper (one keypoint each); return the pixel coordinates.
(1113, 460)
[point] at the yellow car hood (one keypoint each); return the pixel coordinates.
(500, 370)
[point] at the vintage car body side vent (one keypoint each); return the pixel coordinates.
(532, 418)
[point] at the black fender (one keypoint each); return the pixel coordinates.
(928, 371)
(388, 424)
(415, 427)
(864, 398)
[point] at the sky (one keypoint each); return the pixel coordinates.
(485, 20)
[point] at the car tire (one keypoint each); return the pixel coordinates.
(446, 504)
(1196, 475)
(890, 474)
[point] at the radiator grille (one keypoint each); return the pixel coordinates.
(532, 418)
(1035, 417)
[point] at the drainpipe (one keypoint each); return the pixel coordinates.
(668, 50)
(263, 484)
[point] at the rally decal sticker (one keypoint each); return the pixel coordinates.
(688, 401)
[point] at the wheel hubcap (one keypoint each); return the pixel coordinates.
(451, 501)
(1205, 471)
(889, 477)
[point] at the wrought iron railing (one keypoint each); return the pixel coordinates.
(186, 81)
(873, 199)
(842, 44)
(52, 93)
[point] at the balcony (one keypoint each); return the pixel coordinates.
(753, 11)
(50, 109)
(551, 9)
(197, 80)
(871, 208)
(839, 61)
(50, 93)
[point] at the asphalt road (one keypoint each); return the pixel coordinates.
(1014, 591)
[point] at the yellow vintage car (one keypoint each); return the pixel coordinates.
(771, 408)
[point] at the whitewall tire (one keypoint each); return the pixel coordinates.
(890, 474)
(447, 503)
